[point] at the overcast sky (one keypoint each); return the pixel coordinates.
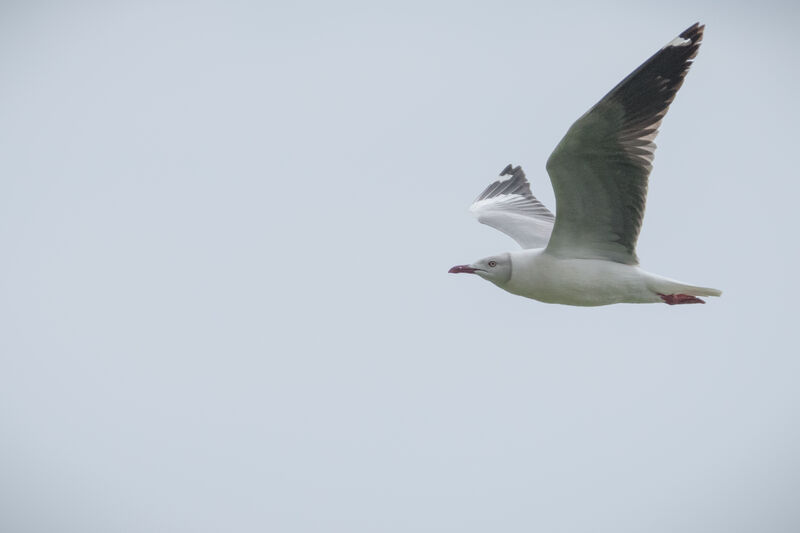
(225, 231)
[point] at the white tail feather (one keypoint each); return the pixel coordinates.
(670, 286)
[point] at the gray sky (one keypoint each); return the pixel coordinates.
(224, 305)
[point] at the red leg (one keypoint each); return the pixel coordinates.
(677, 299)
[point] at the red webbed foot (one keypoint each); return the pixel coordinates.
(677, 299)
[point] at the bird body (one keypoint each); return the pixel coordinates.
(585, 255)
(545, 277)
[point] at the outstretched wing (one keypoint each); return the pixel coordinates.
(599, 170)
(508, 205)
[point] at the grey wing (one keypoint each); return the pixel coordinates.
(599, 170)
(509, 206)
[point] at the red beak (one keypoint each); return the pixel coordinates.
(462, 269)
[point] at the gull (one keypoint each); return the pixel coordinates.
(585, 255)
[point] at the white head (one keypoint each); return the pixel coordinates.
(496, 268)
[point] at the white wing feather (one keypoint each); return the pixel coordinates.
(509, 206)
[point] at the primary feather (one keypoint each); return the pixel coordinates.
(509, 206)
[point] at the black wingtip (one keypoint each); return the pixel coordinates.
(517, 183)
(512, 170)
(694, 32)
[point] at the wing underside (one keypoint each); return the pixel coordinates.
(509, 206)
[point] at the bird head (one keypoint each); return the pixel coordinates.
(496, 268)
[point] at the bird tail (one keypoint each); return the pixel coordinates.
(667, 286)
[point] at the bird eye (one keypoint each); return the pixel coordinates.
(492, 264)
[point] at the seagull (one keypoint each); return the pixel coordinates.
(585, 255)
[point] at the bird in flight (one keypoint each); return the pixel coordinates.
(586, 254)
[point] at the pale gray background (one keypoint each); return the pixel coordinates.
(225, 230)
